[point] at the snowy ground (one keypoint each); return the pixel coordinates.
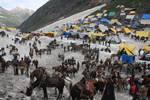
(12, 85)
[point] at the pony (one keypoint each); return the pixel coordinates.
(43, 80)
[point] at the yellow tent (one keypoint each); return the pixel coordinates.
(64, 28)
(50, 34)
(98, 34)
(129, 48)
(75, 27)
(126, 30)
(142, 34)
(94, 35)
(115, 21)
(147, 48)
(98, 14)
(114, 30)
(90, 17)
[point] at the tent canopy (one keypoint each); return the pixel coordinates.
(65, 29)
(50, 34)
(114, 30)
(142, 34)
(115, 21)
(129, 48)
(105, 20)
(146, 16)
(126, 30)
(99, 14)
(147, 48)
(93, 35)
(112, 13)
(75, 27)
(130, 17)
(66, 33)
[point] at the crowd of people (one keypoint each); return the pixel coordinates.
(109, 76)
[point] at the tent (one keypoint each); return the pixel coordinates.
(90, 16)
(94, 35)
(66, 33)
(128, 55)
(94, 19)
(129, 48)
(146, 16)
(64, 28)
(103, 28)
(111, 14)
(126, 30)
(99, 14)
(75, 27)
(147, 48)
(115, 21)
(145, 19)
(127, 59)
(113, 30)
(92, 25)
(142, 33)
(105, 20)
(86, 21)
(50, 34)
(131, 17)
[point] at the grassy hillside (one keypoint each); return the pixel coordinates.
(8, 19)
(13, 18)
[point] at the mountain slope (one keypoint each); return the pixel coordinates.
(7, 19)
(22, 13)
(13, 18)
(55, 10)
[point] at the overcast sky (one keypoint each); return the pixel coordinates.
(30, 4)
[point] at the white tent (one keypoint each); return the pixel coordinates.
(103, 27)
(130, 17)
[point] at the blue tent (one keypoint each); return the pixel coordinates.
(146, 16)
(124, 58)
(105, 20)
(66, 33)
(127, 59)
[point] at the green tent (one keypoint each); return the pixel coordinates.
(111, 14)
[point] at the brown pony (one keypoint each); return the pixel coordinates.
(44, 81)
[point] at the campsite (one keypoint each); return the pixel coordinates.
(97, 54)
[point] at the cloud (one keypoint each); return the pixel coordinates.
(30, 4)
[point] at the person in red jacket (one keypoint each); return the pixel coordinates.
(133, 91)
